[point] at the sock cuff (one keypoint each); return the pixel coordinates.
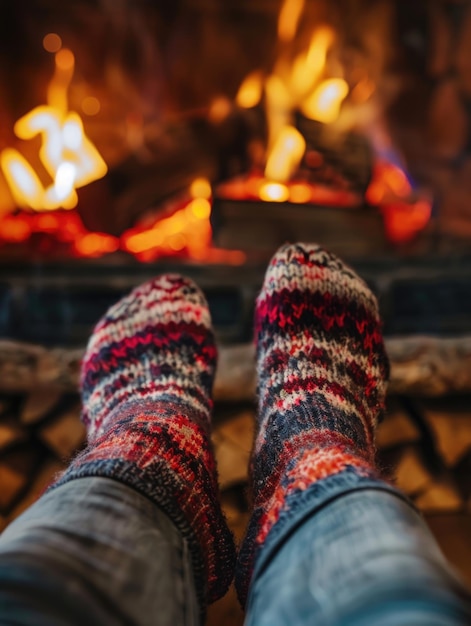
(209, 540)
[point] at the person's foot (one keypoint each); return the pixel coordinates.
(322, 373)
(146, 385)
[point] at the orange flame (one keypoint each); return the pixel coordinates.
(96, 244)
(324, 104)
(285, 155)
(69, 157)
(201, 188)
(66, 227)
(291, 86)
(288, 19)
(392, 192)
(250, 91)
(186, 231)
(308, 67)
(274, 192)
(186, 228)
(404, 220)
(14, 229)
(388, 183)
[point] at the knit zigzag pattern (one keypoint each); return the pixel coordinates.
(146, 385)
(322, 373)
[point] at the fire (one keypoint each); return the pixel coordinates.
(187, 228)
(251, 90)
(285, 155)
(404, 215)
(274, 192)
(404, 220)
(201, 188)
(300, 193)
(308, 67)
(68, 156)
(65, 227)
(299, 82)
(255, 187)
(187, 231)
(324, 103)
(312, 85)
(293, 85)
(96, 244)
(288, 20)
(388, 182)
(14, 230)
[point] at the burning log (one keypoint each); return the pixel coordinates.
(261, 225)
(348, 154)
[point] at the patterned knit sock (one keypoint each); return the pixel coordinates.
(322, 373)
(146, 389)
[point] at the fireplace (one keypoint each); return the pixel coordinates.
(169, 133)
(199, 138)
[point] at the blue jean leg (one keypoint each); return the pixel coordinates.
(362, 558)
(94, 551)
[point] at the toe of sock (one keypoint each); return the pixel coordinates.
(307, 267)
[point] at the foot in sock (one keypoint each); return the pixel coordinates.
(322, 373)
(146, 384)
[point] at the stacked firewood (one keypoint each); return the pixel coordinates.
(424, 446)
(39, 433)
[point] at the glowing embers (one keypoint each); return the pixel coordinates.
(185, 232)
(57, 234)
(404, 213)
(188, 228)
(68, 156)
(255, 187)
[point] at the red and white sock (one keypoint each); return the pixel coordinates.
(146, 384)
(322, 373)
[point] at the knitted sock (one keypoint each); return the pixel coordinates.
(322, 373)
(146, 389)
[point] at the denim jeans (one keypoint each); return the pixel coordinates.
(95, 552)
(355, 552)
(352, 552)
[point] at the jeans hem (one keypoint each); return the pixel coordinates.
(310, 502)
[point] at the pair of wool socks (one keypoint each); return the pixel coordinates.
(146, 387)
